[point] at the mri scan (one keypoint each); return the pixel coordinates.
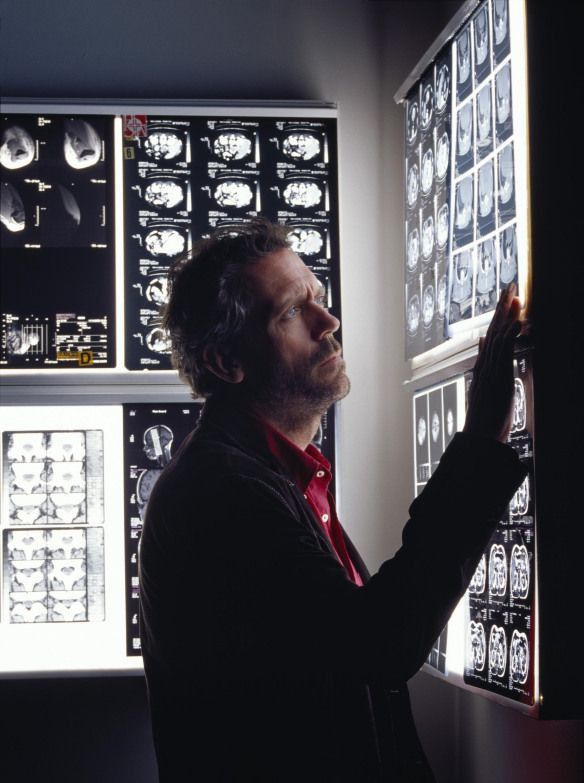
(443, 225)
(232, 145)
(519, 657)
(477, 646)
(17, 149)
(82, 144)
(497, 570)
(520, 572)
(412, 185)
(164, 242)
(508, 255)
(427, 237)
(427, 177)
(163, 145)
(479, 579)
(413, 317)
(519, 407)
(442, 155)
(233, 193)
(413, 249)
(12, 214)
(413, 121)
(164, 194)
(306, 241)
(302, 194)
(497, 651)
(519, 505)
(301, 146)
(427, 110)
(442, 87)
(429, 305)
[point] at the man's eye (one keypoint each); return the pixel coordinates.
(322, 301)
(292, 311)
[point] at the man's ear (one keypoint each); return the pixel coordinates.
(223, 366)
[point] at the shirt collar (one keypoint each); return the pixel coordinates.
(301, 465)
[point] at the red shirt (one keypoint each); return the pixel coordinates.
(311, 472)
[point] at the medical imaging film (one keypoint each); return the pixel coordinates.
(482, 44)
(185, 177)
(461, 284)
(486, 293)
(52, 526)
(484, 121)
(503, 105)
(152, 435)
(464, 138)
(501, 596)
(506, 184)
(463, 64)
(57, 239)
(501, 39)
(507, 256)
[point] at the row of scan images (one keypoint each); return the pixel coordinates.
(503, 657)
(460, 179)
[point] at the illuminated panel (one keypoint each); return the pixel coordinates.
(62, 540)
(466, 181)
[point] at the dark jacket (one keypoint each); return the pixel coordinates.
(264, 662)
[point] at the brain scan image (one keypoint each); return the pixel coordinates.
(66, 446)
(481, 36)
(519, 505)
(413, 249)
(442, 296)
(479, 579)
(82, 144)
(484, 116)
(305, 241)
(442, 155)
(497, 570)
(66, 477)
(478, 646)
(421, 431)
(508, 256)
(503, 94)
(66, 544)
(157, 443)
(164, 242)
(27, 576)
(428, 236)
(442, 87)
(463, 214)
(301, 146)
(163, 193)
(486, 185)
(443, 225)
(519, 657)
(427, 106)
(463, 56)
(427, 171)
(412, 185)
(68, 607)
(67, 507)
(157, 291)
(413, 121)
(27, 610)
(27, 509)
(157, 340)
(464, 129)
(519, 572)
(497, 651)
(26, 545)
(26, 447)
(163, 145)
(232, 193)
(462, 278)
(17, 149)
(428, 306)
(413, 320)
(519, 407)
(66, 574)
(27, 478)
(506, 187)
(435, 426)
(500, 20)
(302, 194)
(232, 146)
(12, 214)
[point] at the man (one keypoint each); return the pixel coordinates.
(270, 653)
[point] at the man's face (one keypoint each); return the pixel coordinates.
(294, 363)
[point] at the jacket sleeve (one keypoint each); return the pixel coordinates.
(269, 597)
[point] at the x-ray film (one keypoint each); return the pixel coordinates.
(57, 236)
(464, 101)
(185, 177)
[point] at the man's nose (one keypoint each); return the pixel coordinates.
(325, 323)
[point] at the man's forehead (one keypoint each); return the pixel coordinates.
(279, 275)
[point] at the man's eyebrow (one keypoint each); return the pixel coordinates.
(298, 291)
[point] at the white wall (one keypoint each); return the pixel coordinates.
(355, 52)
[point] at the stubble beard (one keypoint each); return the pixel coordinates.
(296, 397)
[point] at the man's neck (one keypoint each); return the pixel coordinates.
(299, 429)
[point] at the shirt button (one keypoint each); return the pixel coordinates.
(325, 517)
(319, 473)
